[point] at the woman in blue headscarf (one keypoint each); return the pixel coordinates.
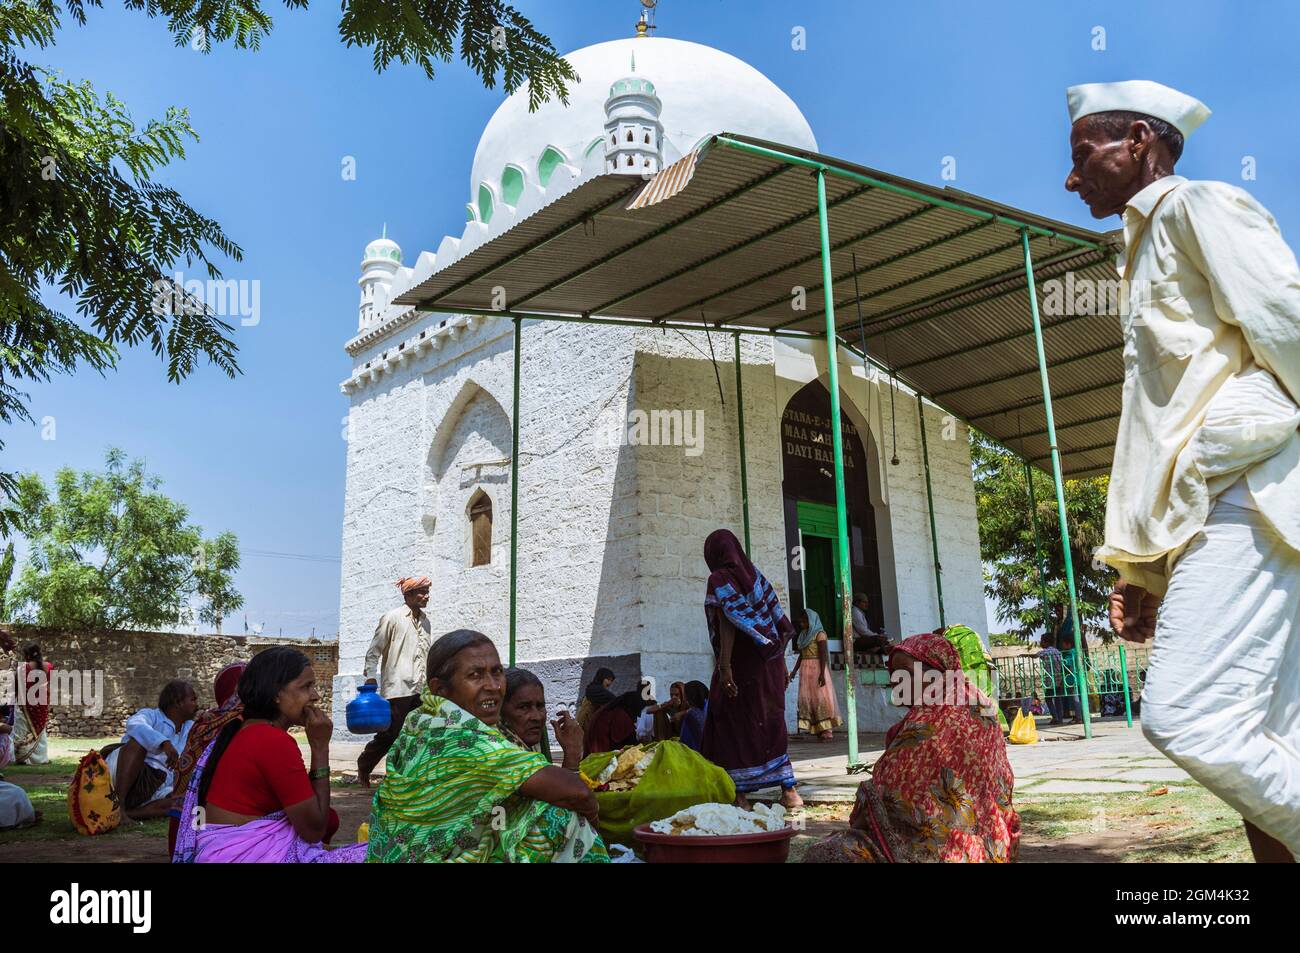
(819, 714)
(744, 730)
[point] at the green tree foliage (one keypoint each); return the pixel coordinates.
(6, 576)
(1011, 568)
(83, 215)
(108, 551)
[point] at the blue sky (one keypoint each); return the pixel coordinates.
(897, 88)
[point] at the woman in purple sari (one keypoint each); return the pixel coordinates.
(744, 730)
(250, 798)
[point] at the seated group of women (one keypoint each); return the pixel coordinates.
(469, 778)
(611, 722)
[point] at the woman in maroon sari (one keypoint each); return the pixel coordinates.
(744, 730)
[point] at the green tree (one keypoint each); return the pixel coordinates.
(1012, 573)
(108, 551)
(6, 576)
(84, 215)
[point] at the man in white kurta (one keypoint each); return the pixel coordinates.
(1203, 513)
(143, 764)
(395, 662)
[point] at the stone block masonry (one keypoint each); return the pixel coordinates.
(136, 665)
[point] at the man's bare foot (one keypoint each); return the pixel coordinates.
(790, 799)
(363, 779)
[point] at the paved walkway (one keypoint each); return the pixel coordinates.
(1116, 759)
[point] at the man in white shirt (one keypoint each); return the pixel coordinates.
(397, 657)
(865, 638)
(1203, 513)
(143, 764)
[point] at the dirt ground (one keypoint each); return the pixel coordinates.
(1184, 824)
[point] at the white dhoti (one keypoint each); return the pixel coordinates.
(1222, 694)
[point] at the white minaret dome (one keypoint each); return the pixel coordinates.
(701, 91)
(633, 132)
(378, 268)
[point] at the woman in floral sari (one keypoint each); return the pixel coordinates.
(457, 790)
(941, 792)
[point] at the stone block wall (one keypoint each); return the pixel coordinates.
(136, 665)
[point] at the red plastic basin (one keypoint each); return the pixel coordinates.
(769, 847)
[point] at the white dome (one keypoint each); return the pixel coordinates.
(703, 91)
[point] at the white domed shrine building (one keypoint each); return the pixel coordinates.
(630, 439)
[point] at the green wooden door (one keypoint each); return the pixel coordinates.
(821, 562)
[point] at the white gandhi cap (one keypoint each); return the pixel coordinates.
(1181, 111)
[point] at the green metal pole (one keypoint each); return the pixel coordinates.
(841, 507)
(1128, 703)
(514, 497)
(1056, 478)
(1038, 545)
(744, 467)
(929, 499)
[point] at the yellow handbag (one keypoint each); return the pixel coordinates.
(1024, 730)
(93, 805)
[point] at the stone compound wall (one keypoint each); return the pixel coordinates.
(136, 665)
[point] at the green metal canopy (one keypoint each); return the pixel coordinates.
(940, 273)
(747, 235)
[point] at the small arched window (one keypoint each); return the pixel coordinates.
(480, 529)
(647, 138)
(629, 161)
(629, 135)
(613, 139)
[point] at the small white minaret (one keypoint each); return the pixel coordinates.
(378, 268)
(633, 133)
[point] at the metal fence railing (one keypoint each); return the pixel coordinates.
(1111, 676)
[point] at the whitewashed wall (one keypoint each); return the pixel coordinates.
(611, 537)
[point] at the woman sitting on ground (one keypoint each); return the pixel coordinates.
(207, 725)
(596, 695)
(457, 790)
(691, 723)
(941, 792)
(259, 802)
(523, 719)
(614, 726)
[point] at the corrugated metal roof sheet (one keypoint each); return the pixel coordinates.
(730, 239)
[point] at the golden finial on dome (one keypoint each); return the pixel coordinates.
(646, 23)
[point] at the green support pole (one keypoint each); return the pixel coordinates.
(744, 466)
(1060, 484)
(841, 507)
(514, 497)
(1128, 703)
(929, 499)
(1038, 544)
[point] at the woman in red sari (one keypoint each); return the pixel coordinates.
(941, 792)
(32, 712)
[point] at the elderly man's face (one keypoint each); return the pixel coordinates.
(1105, 172)
(417, 598)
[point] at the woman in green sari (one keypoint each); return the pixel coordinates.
(456, 790)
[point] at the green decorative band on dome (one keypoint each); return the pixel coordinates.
(632, 85)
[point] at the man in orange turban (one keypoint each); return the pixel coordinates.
(396, 658)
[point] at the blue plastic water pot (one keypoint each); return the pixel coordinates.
(368, 713)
